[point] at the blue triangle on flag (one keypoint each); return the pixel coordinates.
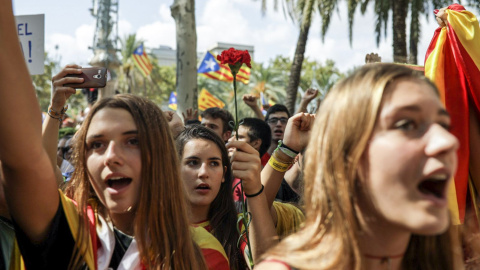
(208, 64)
(173, 98)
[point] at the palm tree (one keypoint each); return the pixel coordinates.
(304, 9)
(126, 79)
(269, 81)
(400, 10)
(303, 12)
(157, 86)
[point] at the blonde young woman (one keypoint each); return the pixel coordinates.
(129, 209)
(377, 168)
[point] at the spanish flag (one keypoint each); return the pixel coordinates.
(211, 68)
(453, 63)
(207, 100)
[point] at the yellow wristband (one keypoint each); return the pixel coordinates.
(277, 165)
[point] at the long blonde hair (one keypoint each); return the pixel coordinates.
(161, 225)
(343, 127)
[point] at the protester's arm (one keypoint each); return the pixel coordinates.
(371, 58)
(296, 137)
(292, 177)
(50, 127)
(251, 102)
(174, 122)
(191, 117)
(246, 165)
(31, 188)
(309, 95)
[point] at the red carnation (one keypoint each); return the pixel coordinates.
(234, 57)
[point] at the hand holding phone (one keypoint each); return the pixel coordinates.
(93, 77)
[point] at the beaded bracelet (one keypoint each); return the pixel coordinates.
(57, 115)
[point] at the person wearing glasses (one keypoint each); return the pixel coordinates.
(277, 118)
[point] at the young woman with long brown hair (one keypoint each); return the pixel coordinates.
(208, 175)
(377, 168)
(129, 209)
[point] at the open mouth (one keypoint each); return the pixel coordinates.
(278, 132)
(203, 186)
(118, 182)
(435, 185)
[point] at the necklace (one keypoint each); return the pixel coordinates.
(384, 259)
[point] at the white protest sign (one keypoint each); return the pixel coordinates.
(31, 32)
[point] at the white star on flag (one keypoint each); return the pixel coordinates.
(210, 63)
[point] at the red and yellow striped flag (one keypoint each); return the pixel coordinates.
(141, 61)
(207, 100)
(453, 63)
(211, 68)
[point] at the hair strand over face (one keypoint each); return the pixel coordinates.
(342, 130)
(161, 226)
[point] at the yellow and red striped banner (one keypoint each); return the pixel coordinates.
(141, 61)
(211, 68)
(207, 100)
(453, 63)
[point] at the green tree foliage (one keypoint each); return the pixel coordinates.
(272, 80)
(302, 12)
(399, 11)
(156, 87)
(325, 74)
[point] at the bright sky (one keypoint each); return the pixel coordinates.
(69, 25)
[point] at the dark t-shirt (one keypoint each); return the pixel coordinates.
(56, 250)
(286, 194)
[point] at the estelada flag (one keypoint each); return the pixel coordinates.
(211, 68)
(141, 61)
(172, 101)
(207, 100)
(453, 63)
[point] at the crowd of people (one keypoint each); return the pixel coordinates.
(359, 184)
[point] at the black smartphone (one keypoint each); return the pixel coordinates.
(94, 77)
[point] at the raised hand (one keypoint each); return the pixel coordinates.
(250, 100)
(191, 115)
(441, 16)
(310, 94)
(297, 132)
(246, 165)
(174, 122)
(372, 58)
(61, 93)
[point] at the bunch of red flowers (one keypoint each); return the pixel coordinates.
(233, 57)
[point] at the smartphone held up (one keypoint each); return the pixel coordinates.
(94, 77)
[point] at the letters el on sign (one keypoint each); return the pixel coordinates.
(31, 34)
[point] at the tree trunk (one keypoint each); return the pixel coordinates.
(412, 58)
(183, 11)
(399, 15)
(296, 69)
(415, 8)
